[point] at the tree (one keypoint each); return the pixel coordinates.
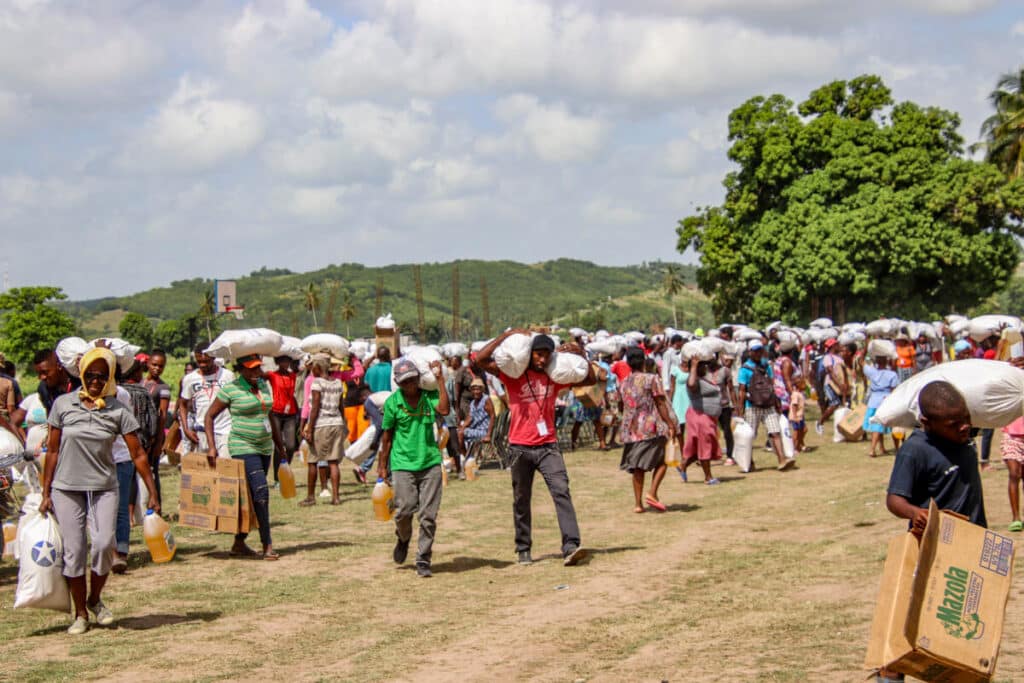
(172, 337)
(136, 328)
(29, 324)
(673, 284)
(208, 312)
(311, 299)
(1003, 132)
(853, 204)
(348, 312)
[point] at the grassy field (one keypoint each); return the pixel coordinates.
(767, 577)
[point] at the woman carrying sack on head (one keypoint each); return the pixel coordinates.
(80, 480)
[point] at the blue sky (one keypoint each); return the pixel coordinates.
(146, 142)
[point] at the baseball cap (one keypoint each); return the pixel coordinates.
(829, 343)
(542, 342)
(961, 346)
(755, 346)
(405, 369)
(251, 361)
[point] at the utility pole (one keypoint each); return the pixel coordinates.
(455, 301)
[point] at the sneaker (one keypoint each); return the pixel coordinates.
(712, 482)
(525, 557)
(787, 464)
(574, 556)
(102, 613)
(120, 564)
(682, 474)
(423, 570)
(79, 626)
(819, 428)
(401, 551)
(325, 494)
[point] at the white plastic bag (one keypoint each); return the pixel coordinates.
(422, 357)
(567, 368)
(40, 551)
(837, 417)
(513, 355)
(233, 344)
(360, 450)
(994, 392)
(325, 342)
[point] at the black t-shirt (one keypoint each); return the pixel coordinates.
(929, 467)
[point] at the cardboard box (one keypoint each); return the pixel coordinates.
(852, 424)
(941, 605)
(388, 337)
(592, 396)
(214, 498)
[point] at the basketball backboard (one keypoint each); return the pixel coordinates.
(224, 293)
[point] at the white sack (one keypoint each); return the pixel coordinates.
(291, 347)
(837, 417)
(994, 392)
(71, 350)
(513, 355)
(422, 357)
(567, 368)
(697, 349)
(879, 328)
(325, 342)
(788, 340)
(358, 452)
(881, 347)
(822, 323)
(40, 550)
(985, 326)
(233, 344)
(386, 322)
(378, 398)
(454, 350)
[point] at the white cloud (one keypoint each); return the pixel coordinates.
(955, 7)
(194, 130)
(554, 134)
(1017, 29)
(315, 204)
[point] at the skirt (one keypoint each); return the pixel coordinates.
(1012, 448)
(874, 427)
(701, 439)
(645, 455)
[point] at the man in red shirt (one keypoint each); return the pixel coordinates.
(533, 443)
(285, 410)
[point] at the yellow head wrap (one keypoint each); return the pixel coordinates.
(110, 388)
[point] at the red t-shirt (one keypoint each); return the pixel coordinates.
(284, 393)
(531, 398)
(621, 370)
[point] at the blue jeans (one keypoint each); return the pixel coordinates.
(125, 480)
(259, 492)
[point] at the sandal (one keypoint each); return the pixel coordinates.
(656, 504)
(271, 556)
(1016, 525)
(307, 502)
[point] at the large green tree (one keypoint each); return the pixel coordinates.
(137, 329)
(851, 204)
(173, 337)
(29, 323)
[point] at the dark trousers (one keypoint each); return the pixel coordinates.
(259, 492)
(288, 427)
(547, 460)
(986, 444)
(725, 422)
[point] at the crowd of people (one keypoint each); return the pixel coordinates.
(662, 400)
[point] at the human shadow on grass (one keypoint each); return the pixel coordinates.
(681, 507)
(457, 565)
(282, 551)
(591, 552)
(151, 621)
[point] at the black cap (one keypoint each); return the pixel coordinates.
(542, 342)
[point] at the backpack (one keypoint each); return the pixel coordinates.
(145, 412)
(761, 388)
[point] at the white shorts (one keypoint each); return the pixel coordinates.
(755, 416)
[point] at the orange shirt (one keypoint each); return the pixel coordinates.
(905, 355)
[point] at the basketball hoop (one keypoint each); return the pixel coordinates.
(237, 311)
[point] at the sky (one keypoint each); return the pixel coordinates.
(147, 142)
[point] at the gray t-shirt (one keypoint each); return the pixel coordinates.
(86, 461)
(706, 397)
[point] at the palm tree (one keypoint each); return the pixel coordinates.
(1003, 132)
(672, 283)
(311, 295)
(207, 311)
(348, 312)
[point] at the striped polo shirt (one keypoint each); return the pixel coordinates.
(250, 423)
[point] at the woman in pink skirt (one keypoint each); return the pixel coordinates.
(701, 441)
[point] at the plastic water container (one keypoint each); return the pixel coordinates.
(382, 497)
(10, 535)
(470, 468)
(157, 534)
(743, 448)
(672, 454)
(287, 479)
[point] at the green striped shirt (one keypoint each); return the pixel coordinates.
(250, 423)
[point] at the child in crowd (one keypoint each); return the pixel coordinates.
(1012, 449)
(797, 405)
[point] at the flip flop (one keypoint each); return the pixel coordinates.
(656, 504)
(1016, 525)
(271, 556)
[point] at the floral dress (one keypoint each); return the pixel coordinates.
(643, 433)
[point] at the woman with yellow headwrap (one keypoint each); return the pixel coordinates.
(80, 480)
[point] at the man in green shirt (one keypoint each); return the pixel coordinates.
(408, 448)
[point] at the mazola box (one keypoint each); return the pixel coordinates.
(214, 498)
(942, 602)
(852, 424)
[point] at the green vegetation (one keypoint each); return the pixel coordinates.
(1003, 132)
(853, 206)
(565, 291)
(30, 323)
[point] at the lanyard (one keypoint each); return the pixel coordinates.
(543, 403)
(210, 388)
(420, 412)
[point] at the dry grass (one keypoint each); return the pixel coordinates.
(768, 577)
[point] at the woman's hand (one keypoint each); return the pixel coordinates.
(211, 456)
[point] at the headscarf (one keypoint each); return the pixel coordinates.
(110, 388)
(321, 360)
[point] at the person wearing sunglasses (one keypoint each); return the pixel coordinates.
(80, 480)
(253, 438)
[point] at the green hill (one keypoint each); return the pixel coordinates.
(567, 292)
